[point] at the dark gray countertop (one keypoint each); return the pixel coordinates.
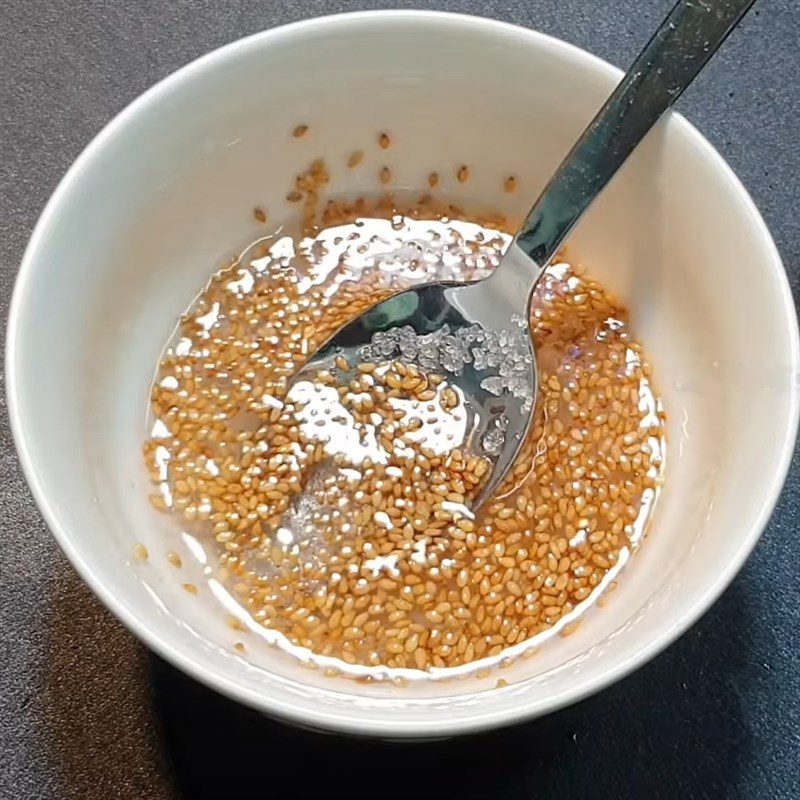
(86, 712)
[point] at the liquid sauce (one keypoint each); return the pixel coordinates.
(338, 514)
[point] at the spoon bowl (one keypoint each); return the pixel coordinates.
(477, 334)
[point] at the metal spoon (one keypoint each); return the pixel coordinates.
(678, 50)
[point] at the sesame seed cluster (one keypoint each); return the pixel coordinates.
(379, 560)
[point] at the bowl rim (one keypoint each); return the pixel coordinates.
(364, 722)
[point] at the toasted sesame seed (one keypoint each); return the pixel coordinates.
(158, 502)
(463, 173)
(140, 552)
(299, 131)
(384, 141)
(235, 623)
(260, 214)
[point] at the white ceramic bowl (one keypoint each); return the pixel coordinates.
(164, 193)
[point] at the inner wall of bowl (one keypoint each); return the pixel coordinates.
(167, 197)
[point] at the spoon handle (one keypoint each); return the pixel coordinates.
(678, 50)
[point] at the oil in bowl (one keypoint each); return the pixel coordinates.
(338, 511)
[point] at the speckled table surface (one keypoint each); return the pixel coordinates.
(87, 712)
